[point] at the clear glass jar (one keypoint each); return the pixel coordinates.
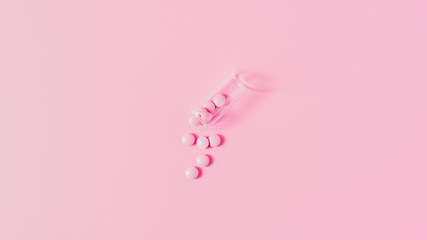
(210, 109)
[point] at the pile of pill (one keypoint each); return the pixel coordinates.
(204, 113)
(203, 142)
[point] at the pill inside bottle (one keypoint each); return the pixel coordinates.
(210, 109)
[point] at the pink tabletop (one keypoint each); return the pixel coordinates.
(94, 97)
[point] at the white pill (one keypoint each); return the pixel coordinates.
(206, 117)
(214, 140)
(188, 139)
(209, 106)
(219, 100)
(202, 160)
(192, 172)
(202, 142)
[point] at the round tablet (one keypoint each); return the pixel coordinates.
(206, 117)
(192, 172)
(202, 142)
(193, 121)
(209, 106)
(214, 140)
(219, 100)
(202, 160)
(188, 139)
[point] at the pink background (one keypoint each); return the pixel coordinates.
(94, 97)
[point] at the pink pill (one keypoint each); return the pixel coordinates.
(219, 100)
(202, 142)
(206, 117)
(209, 106)
(188, 139)
(193, 121)
(192, 172)
(202, 160)
(214, 140)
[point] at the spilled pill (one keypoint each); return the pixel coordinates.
(202, 160)
(214, 140)
(188, 139)
(202, 142)
(192, 172)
